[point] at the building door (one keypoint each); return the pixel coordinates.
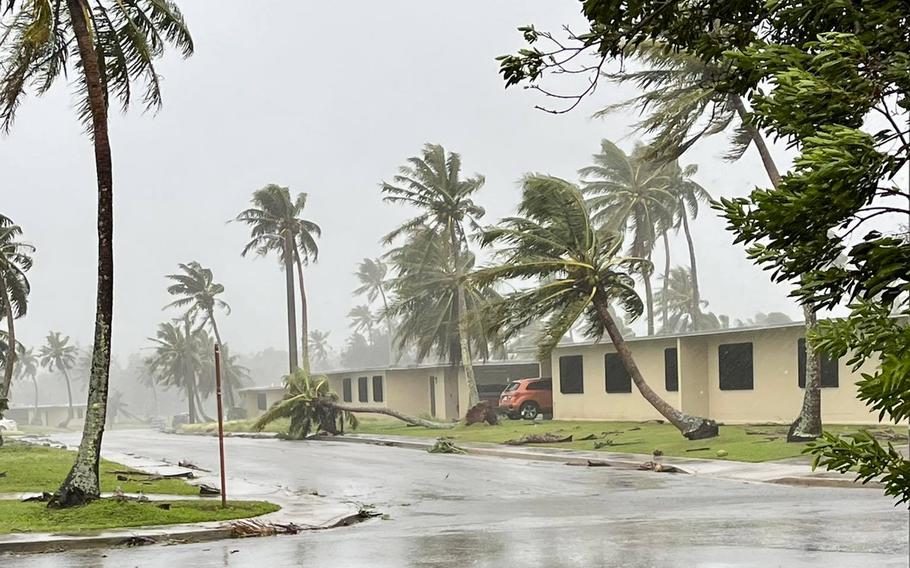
(433, 397)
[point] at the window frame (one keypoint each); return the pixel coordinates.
(614, 361)
(381, 390)
(363, 389)
(723, 352)
(347, 392)
(262, 401)
(671, 386)
(581, 374)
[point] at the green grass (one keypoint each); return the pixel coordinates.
(749, 443)
(18, 517)
(32, 468)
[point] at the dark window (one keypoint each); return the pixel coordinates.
(363, 389)
(829, 372)
(346, 390)
(432, 396)
(571, 377)
(671, 369)
(262, 401)
(377, 388)
(617, 378)
(511, 387)
(735, 362)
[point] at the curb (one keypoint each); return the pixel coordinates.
(141, 536)
(826, 482)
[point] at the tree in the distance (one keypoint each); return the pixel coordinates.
(319, 346)
(15, 261)
(58, 355)
(553, 239)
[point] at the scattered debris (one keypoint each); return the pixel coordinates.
(588, 437)
(43, 498)
(657, 453)
(697, 449)
(721, 453)
(205, 489)
(591, 463)
(250, 527)
(138, 541)
(604, 443)
(546, 438)
(445, 445)
(190, 465)
(658, 467)
(634, 428)
(483, 411)
(2, 474)
(164, 506)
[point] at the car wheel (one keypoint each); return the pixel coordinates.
(529, 410)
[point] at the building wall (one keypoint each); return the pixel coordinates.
(775, 396)
(595, 403)
(405, 390)
(249, 400)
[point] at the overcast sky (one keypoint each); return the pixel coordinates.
(328, 98)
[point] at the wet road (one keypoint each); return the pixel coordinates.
(458, 511)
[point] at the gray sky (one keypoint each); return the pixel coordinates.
(327, 98)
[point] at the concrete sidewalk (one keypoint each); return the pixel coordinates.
(306, 512)
(764, 472)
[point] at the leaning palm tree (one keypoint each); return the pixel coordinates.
(627, 193)
(554, 239)
(362, 320)
(439, 307)
(372, 273)
(432, 184)
(276, 227)
(308, 403)
(58, 355)
(686, 99)
(179, 360)
(319, 345)
(15, 261)
(197, 291)
(27, 366)
(109, 45)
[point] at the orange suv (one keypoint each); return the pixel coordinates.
(526, 398)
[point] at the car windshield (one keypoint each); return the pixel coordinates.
(511, 387)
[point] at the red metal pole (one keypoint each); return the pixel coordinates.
(220, 423)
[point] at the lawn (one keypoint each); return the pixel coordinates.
(32, 468)
(18, 517)
(749, 442)
(35, 469)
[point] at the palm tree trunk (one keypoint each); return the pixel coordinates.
(692, 427)
(808, 425)
(393, 413)
(10, 346)
(190, 383)
(228, 391)
(35, 384)
(649, 297)
(69, 396)
(393, 357)
(304, 316)
(81, 484)
(200, 409)
(463, 337)
(292, 310)
(663, 304)
(693, 273)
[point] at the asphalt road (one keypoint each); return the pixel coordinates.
(464, 511)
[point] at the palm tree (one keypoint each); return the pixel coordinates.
(109, 45)
(432, 184)
(438, 305)
(179, 360)
(276, 226)
(15, 261)
(305, 404)
(198, 292)
(627, 193)
(58, 355)
(319, 345)
(687, 195)
(27, 366)
(683, 92)
(362, 320)
(553, 237)
(234, 376)
(678, 295)
(372, 274)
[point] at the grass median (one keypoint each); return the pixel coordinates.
(36, 469)
(745, 442)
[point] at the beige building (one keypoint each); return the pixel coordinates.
(46, 414)
(437, 391)
(733, 375)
